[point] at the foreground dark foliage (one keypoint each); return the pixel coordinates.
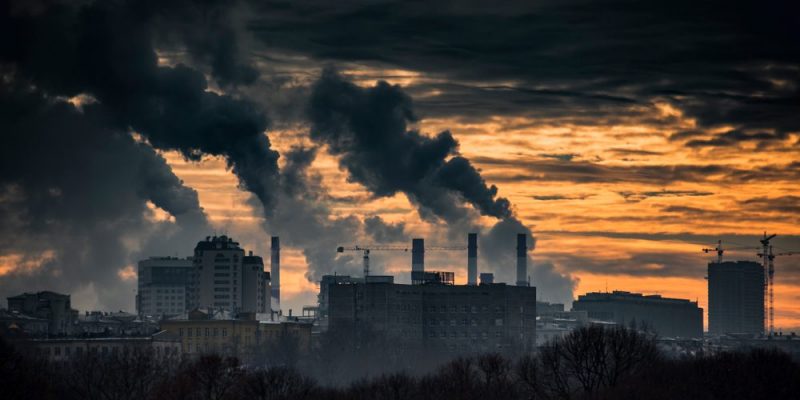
(590, 363)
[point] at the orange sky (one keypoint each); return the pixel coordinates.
(558, 207)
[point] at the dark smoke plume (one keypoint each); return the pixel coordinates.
(367, 128)
(75, 184)
(73, 196)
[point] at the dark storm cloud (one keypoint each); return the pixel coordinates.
(367, 128)
(721, 63)
(385, 232)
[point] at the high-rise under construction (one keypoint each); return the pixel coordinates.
(735, 297)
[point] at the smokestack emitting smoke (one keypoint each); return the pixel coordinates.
(417, 256)
(472, 259)
(522, 259)
(275, 272)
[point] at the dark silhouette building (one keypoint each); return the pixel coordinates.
(54, 307)
(664, 316)
(735, 297)
(435, 316)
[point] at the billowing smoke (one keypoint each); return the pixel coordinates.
(106, 49)
(303, 219)
(75, 184)
(367, 129)
(74, 195)
(384, 232)
(81, 80)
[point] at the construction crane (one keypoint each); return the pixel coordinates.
(366, 249)
(720, 250)
(768, 254)
(769, 265)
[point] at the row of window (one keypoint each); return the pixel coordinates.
(464, 335)
(198, 332)
(464, 322)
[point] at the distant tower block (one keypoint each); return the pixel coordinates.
(275, 272)
(522, 259)
(417, 256)
(472, 259)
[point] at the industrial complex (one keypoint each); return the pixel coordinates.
(222, 299)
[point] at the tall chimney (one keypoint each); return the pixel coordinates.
(417, 257)
(472, 259)
(275, 273)
(522, 259)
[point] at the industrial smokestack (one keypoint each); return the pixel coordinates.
(472, 259)
(522, 259)
(275, 273)
(417, 256)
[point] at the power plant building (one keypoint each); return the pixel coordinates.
(665, 316)
(436, 316)
(735, 297)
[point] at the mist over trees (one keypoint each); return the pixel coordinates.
(589, 363)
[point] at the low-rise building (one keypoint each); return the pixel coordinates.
(161, 344)
(54, 307)
(665, 316)
(242, 336)
(16, 324)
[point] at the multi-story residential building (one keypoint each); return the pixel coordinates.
(54, 307)
(163, 285)
(735, 297)
(224, 278)
(256, 296)
(665, 316)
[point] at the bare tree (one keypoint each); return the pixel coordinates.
(214, 377)
(278, 383)
(592, 359)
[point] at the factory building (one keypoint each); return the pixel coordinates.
(163, 285)
(437, 316)
(735, 297)
(224, 278)
(664, 316)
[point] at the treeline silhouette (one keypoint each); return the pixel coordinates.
(589, 363)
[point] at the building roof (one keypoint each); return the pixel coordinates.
(618, 295)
